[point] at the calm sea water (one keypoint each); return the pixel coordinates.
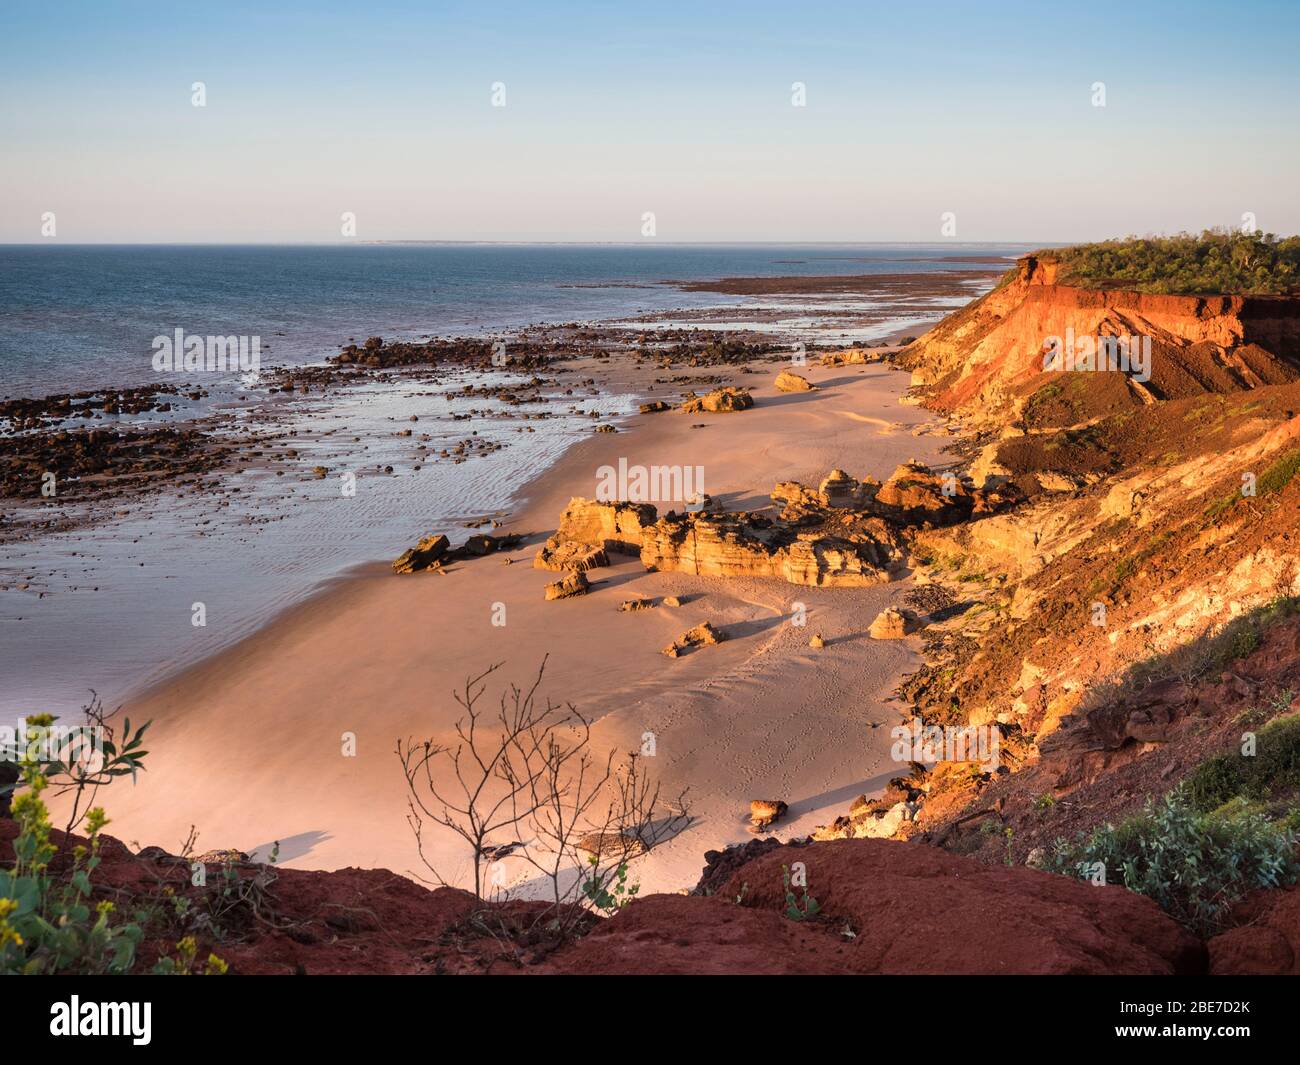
(81, 317)
(108, 606)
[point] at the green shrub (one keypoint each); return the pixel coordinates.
(1214, 782)
(1274, 768)
(1193, 865)
(48, 922)
(1279, 473)
(1276, 762)
(1217, 261)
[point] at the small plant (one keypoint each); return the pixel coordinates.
(795, 908)
(183, 964)
(49, 924)
(609, 896)
(1045, 801)
(744, 890)
(1193, 865)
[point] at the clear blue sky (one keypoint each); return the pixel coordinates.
(384, 109)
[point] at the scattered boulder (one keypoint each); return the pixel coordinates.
(792, 382)
(849, 357)
(574, 584)
(892, 624)
(703, 634)
(719, 401)
(655, 407)
(617, 845)
(427, 553)
(433, 552)
(765, 812)
(720, 865)
(631, 605)
(672, 600)
(817, 641)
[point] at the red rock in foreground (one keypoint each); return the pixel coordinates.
(911, 909)
(1267, 940)
(885, 907)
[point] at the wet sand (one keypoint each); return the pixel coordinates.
(249, 744)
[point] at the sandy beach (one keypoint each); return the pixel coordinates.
(249, 745)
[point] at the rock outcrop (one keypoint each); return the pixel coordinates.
(427, 553)
(986, 361)
(764, 812)
(719, 401)
(433, 552)
(589, 529)
(703, 635)
(567, 587)
(793, 382)
(750, 545)
(892, 624)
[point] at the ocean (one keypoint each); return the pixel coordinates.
(110, 606)
(80, 317)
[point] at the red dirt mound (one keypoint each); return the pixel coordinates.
(885, 908)
(1266, 942)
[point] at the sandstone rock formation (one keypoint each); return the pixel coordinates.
(568, 587)
(793, 382)
(563, 556)
(986, 360)
(719, 401)
(433, 552)
(589, 529)
(764, 812)
(702, 635)
(892, 624)
(750, 545)
(614, 845)
(616, 526)
(423, 555)
(914, 494)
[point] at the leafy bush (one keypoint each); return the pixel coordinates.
(1193, 865)
(47, 924)
(1217, 261)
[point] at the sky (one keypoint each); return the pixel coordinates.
(912, 112)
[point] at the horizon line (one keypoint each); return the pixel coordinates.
(530, 243)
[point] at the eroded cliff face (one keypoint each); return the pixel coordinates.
(986, 362)
(1119, 624)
